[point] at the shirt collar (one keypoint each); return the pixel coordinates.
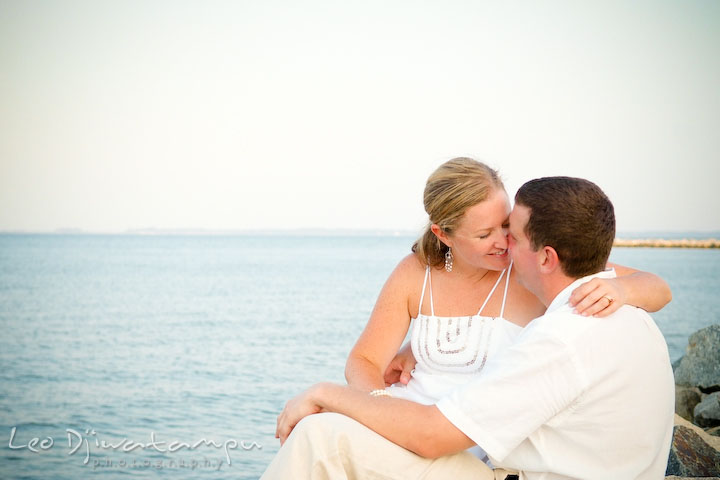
(563, 297)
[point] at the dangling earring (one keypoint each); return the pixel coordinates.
(448, 260)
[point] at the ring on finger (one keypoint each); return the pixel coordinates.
(609, 299)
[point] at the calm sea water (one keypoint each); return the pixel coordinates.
(170, 356)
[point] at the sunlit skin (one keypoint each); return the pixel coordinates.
(480, 241)
(523, 256)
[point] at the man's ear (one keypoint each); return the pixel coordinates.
(440, 234)
(548, 259)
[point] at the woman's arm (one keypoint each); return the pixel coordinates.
(385, 330)
(634, 287)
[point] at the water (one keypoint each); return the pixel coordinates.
(117, 339)
(693, 276)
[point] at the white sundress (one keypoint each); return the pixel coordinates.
(451, 351)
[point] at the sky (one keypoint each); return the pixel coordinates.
(245, 115)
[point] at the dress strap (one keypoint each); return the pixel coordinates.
(432, 304)
(491, 292)
(507, 283)
(422, 295)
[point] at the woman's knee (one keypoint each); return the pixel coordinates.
(323, 424)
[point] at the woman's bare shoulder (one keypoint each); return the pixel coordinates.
(412, 263)
(408, 269)
(402, 285)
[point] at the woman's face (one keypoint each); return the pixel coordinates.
(480, 240)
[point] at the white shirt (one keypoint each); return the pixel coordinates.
(574, 397)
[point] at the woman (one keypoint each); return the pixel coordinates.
(461, 266)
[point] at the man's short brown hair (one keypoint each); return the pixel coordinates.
(573, 216)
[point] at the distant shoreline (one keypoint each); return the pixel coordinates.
(668, 239)
(662, 243)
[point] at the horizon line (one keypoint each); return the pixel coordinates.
(315, 231)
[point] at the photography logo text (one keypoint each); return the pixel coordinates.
(88, 443)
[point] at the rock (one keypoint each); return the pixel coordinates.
(673, 477)
(707, 412)
(691, 456)
(693, 453)
(700, 367)
(715, 431)
(676, 364)
(685, 400)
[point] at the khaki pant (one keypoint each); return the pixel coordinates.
(333, 446)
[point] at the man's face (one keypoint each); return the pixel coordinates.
(525, 259)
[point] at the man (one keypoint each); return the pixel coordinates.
(575, 397)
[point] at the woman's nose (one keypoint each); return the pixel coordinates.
(502, 239)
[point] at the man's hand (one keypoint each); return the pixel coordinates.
(401, 367)
(295, 410)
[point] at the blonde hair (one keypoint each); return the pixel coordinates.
(455, 186)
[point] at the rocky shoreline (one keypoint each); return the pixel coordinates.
(660, 243)
(695, 451)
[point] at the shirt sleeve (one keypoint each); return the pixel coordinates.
(519, 390)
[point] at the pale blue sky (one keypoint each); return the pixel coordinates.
(326, 114)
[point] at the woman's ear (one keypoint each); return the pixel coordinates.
(441, 234)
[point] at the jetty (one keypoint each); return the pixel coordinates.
(662, 243)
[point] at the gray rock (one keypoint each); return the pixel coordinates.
(673, 477)
(676, 364)
(685, 400)
(691, 456)
(707, 412)
(700, 367)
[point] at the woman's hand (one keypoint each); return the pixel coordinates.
(599, 297)
(401, 367)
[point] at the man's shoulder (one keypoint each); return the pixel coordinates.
(566, 327)
(559, 322)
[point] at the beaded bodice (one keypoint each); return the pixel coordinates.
(458, 344)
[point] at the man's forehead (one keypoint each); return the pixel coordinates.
(518, 217)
